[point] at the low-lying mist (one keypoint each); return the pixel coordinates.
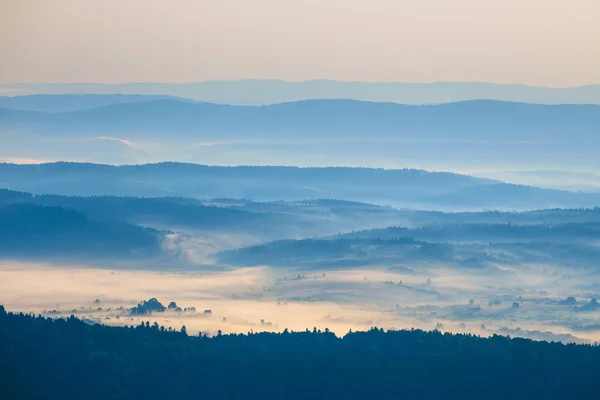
(531, 301)
(235, 265)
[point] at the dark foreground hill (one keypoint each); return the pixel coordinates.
(42, 358)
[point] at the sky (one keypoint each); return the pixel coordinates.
(536, 42)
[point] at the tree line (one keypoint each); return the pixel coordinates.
(70, 359)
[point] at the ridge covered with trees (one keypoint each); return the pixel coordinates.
(32, 230)
(410, 188)
(70, 359)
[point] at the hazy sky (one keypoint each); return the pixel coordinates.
(539, 42)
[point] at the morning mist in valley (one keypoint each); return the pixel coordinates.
(326, 200)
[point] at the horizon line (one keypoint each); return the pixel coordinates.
(294, 82)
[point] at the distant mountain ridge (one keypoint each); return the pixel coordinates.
(257, 92)
(75, 102)
(466, 136)
(404, 188)
(311, 119)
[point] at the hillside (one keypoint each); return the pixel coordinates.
(30, 231)
(69, 358)
(274, 220)
(402, 188)
(561, 233)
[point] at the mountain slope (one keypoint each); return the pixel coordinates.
(38, 231)
(404, 188)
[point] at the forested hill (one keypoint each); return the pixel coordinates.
(40, 231)
(166, 211)
(410, 188)
(69, 359)
(562, 233)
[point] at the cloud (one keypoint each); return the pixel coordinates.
(127, 143)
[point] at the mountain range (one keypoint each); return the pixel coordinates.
(409, 188)
(257, 92)
(466, 136)
(74, 102)
(309, 120)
